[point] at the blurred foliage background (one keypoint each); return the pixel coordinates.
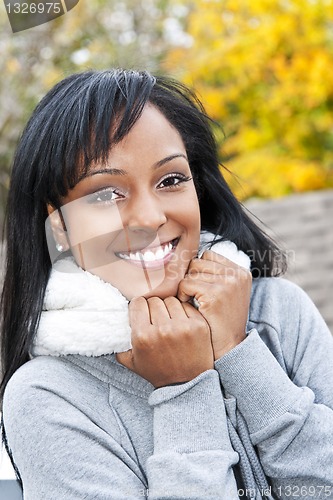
(263, 69)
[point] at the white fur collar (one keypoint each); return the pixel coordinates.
(84, 315)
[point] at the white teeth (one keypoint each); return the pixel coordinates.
(123, 256)
(167, 248)
(148, 255)
(159, 254)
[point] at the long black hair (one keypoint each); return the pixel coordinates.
(69, 129)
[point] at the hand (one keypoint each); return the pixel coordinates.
(222, 289)
(171, 341)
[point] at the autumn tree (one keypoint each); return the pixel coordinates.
(264, 71)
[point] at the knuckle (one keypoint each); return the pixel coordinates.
(140, 334)
(208, 254)
(140, 342)
(154, 300)
(165, 330)
(142, 338)
(137, 302)
(169, 301)
(186, 328)
(182, 283)
(192, 271)
(194, 263)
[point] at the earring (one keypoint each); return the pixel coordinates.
(59, 247)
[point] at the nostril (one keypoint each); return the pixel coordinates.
(142, 229)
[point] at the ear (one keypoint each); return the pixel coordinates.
(58, 227)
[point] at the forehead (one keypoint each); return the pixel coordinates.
(151, 133)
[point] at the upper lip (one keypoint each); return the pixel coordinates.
(148, 247)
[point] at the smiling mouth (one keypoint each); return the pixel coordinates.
(151, 257)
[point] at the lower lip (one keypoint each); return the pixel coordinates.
(154, 264)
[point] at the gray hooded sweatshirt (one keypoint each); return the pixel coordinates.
(259, 425)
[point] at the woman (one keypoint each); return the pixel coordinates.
(207, 384)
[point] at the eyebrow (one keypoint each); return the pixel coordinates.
(120, 171)
(165, 160)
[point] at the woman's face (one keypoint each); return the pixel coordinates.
(135, 221)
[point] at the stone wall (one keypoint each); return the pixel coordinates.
(303, 224)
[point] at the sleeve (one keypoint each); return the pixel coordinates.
(192, 456)
(63, 455)
(60, 453)
(289, 418)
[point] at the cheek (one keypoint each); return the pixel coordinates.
(86, 224)
(187, 211)
(187, 215)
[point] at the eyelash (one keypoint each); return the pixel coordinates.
(182, 178)
(93, 198)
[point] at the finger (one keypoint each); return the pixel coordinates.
(222, 277)
(139, 313)
(210, 255)
(158, 311)
(198, 276)
(175, 308)
(192, 288)
(209, 266)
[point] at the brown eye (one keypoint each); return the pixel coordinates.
(173, 180)
(104, 197)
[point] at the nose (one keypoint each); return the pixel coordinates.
(146, 213)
